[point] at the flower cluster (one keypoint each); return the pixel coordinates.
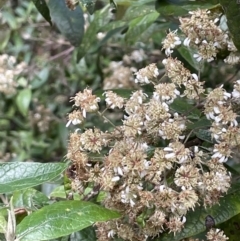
(118, 76)
(216, 235)
(212, 235)
(8, 72)
(224, 126)
(151, 167)
(202, 33)
(41, 117)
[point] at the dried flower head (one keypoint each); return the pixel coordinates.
(92, 140)
(232, 58)
(147, 74)
(118, 77)
(216, 235)
(170, 42)
(9, 71)
(113, 100)
(41, 117)
(75, 118)
(176, 71)
(86, 101)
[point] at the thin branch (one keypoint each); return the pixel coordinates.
(65, 52)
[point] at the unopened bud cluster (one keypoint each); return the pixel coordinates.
(148, 167)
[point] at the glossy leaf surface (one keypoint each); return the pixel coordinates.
(61, 219)
(23, 101)
(20, 175)
(232, 11)
(70, 23)
(43, 9)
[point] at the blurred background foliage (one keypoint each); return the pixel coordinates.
(119, 38)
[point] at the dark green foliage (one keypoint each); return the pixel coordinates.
(227, 208)
(43, 9)
(61, 219)
(70, 23)
(232, 11)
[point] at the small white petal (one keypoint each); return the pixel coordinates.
(147, 118)
(68, 124)
(195, 77)
(216, 110)
(218, 119)
(227, 95)
(120, 172)
(84, 113)
(170, 155)
(186, 41)
(168, 149)
(217, 155)
(115, 179)
(211, 115)
(222, 159)
(76, 121)
(132, 203)
(164, 61)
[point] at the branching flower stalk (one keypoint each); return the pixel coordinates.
(149, 167)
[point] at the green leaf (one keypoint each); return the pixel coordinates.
(139, 25)
(2, 237)
(231, 228)
(170, 8)
(183, 107)
(235, 186)
(204, 135)
(182, 2)
(228, 207)
(88, 234)
(43, 9)
(110, 34)
(3, 224)
(101, 196)
(60, 192)
(20, 175)
(61, 219)
(30, 199)
(90, 38)
(138, 11)
(40, 78)
(8, 17)
(187, 54)
(201, 123)
(70, 23)
(232, 11)
(5, 34)
(23, 100)
(3, 211)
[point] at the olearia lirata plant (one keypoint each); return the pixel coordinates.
(148, 167)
